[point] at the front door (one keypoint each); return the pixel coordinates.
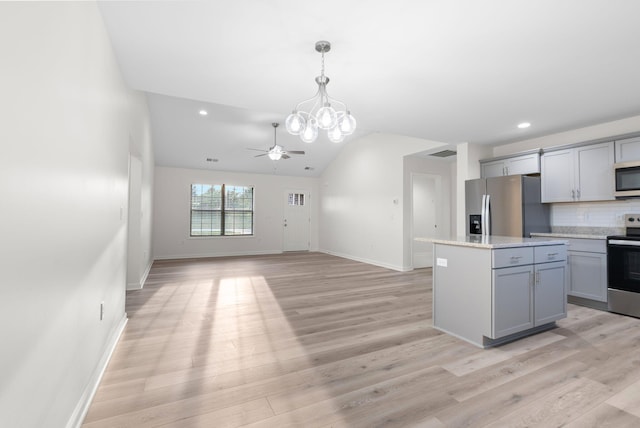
(296, 220)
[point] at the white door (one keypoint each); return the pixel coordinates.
(296, 220)
(425, 189)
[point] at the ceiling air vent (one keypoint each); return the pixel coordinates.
(443, 154)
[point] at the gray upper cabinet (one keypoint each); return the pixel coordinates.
(521, 164)
(628, 150)
(577, 174)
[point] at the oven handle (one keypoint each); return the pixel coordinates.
(624, 242)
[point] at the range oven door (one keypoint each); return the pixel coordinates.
(623, 265)
(623, 269)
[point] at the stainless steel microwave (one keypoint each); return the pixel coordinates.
(627, 180)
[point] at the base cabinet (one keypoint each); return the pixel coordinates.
(550, 300)
(528, 296)
(586, 269)
(588, 275)
(489, 296)
(512, 300)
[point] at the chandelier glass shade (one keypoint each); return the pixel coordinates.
(319, 112)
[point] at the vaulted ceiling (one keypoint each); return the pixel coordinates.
(442, 70)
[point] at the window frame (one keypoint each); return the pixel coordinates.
(223, 211)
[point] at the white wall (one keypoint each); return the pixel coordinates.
(172, 210)
(363, 203)
(67, 118)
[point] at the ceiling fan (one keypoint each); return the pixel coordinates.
(278, 152)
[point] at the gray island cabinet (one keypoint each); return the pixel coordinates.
(490, 290)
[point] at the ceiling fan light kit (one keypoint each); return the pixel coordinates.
(278, 152)
(275, 153)
(318, 113)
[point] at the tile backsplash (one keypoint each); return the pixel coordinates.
(593, 214)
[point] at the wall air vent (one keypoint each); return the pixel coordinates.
(444, 154)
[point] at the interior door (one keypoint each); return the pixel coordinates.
(296, 220)
(426, 190)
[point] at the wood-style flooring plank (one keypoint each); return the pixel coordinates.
(313, 340)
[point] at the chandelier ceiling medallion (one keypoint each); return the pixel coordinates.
(319, 112)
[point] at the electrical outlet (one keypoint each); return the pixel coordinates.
(101, 311)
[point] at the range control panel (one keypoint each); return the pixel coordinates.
(632, 220)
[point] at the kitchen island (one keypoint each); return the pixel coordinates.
(489, 290)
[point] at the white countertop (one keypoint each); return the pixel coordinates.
(493, 241)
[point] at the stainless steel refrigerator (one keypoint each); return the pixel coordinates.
(506, 206)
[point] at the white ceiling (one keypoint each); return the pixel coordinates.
(442, 70)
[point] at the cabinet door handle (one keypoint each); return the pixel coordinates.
(578, 194)
(531, 278)
(573, 194)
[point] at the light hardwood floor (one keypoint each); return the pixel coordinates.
(312, 340)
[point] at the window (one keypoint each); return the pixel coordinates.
(296, 199)
(219, 209)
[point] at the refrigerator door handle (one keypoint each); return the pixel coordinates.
(482, 216)
(488, 215)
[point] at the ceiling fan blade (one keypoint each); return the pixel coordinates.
(285, 156)
(295, 152)
(258, 150)
(264, 154)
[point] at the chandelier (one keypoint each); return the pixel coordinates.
(318, 113)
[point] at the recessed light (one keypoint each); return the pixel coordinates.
(203, 112)
(524, 125)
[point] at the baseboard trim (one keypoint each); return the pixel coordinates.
(81, 409)
(206, 255)
(140, 284)
(368, 261)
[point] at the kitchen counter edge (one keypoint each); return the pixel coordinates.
(568, 235)
(492, 242)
